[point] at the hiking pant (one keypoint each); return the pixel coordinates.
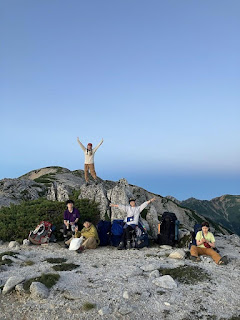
(198, 251)
(65, 229)
(127, 233)
(90, 167)
(90, 243)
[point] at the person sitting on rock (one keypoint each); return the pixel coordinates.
(89, 159)
(70, 218)
(205, 243)
(89, 234)
(131, 220)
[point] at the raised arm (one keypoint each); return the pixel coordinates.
(81, 145)
(144, 204)
(113, 205)
(95, 149)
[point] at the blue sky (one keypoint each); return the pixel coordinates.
(158, 80)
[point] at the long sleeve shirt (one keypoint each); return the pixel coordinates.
(89, 154)
(88, 233)
(133, 213)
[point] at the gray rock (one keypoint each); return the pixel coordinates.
(13, 245)
(1, 242)
(105, 311)
(11, 283)
(39, 290)
(177, 254)
(154, 274)
(26, 242)
(151, 267)
(126, 295)
(166, 282)
(125, 309)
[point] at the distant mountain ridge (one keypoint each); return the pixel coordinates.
(224, 210)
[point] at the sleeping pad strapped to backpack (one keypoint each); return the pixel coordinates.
(168, 229)
(41, 234)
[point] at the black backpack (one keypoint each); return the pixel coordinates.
(169, 233)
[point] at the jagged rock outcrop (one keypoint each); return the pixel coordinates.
(58, 184)
(16, 190)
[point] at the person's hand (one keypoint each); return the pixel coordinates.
(71, 223)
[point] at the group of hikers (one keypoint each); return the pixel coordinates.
(205, 241)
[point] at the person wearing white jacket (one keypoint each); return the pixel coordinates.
(131, 220)
(89, 159)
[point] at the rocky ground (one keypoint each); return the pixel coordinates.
(129, 284)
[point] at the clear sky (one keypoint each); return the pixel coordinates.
(159, 80)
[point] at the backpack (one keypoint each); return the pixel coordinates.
(41, 234)
(197, 227)
(169, 229)
(104, 230)
(140, 237)
(116, 232)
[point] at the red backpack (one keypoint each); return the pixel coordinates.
(41, 234)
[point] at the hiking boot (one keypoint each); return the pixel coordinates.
(223, 261)
(121, 246)
(128, 245)
(195, 259)
(95, 182)
(80, 249)
(86, 183)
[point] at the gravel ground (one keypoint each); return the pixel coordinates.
(112, 284)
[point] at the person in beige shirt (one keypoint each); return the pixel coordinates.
(89, 152)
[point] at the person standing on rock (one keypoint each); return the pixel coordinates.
(70, 218)
(205, 243)
(131, 220)
(89, 159)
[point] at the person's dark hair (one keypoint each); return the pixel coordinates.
(205, 224)
(132, 199)
(69, 201)
(88, 219)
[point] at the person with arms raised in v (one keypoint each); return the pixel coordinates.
(131, 220)
(89, 159)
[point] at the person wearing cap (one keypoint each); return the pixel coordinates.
(89, 159)
(205, 246)
(70, 218)
(131, 220)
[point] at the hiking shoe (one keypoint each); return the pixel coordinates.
(121, 246)
(195, 259)
(128, 245)
(80, 249)
(86, 184)
(96, 183)
(223, 261)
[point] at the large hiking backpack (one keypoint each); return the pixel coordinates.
(104, 232)
(169, 229)
(116, 232)
(41, 234)
(140, 237)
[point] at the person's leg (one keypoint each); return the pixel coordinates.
(86, 167)
(92, 171)
(195, 252)
(65, 230)
(90, 243)
(213, 254)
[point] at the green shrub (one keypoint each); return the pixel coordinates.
(88, 306)
(56, 260)
(18, 220)
(48, 279)
(65, 267)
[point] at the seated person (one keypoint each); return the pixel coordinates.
(89, 234)
(205, 243)
(131, 220)
(70, 218)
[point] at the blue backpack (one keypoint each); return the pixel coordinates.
(197, 227)
(104, 231)
(116, 232)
